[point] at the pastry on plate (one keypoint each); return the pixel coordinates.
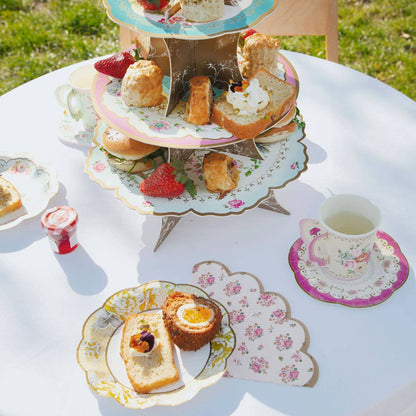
(259, 51)
(191, 321)
(199, 103)
(142, 84)
(10, 199)
(147, 352)
(127, 154)
(220, 173)
(202, 10)
(247, 110)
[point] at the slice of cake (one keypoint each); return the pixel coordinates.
(10, 199)
(199, 104)
(202, 10)
(249, 116)
(154, 367)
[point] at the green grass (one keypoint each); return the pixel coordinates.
(376, 37)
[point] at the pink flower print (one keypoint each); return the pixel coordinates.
(386, 264)
(235, 203)
(278, 317)
(283, 342)
(160, 125)
(321, 283)
(232, 288)
(352, 292)
(349, 264)
(147, 204)
(315, 231)
(236, 317)
(227, 374)
(243, 348)
(266, 299)
(363, 257)
(253, 332)
(206, 280)
(378, 282)
(195, 268)
(294, 166)
(297, 357)
(244, 302)
(99, 167)
(259, 365)
(21, 168)
(289, 374)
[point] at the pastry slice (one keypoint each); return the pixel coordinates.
(10, 199)
(151, 367)
(199, 104)
(220, 173)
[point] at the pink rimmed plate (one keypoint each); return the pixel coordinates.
(387, 271)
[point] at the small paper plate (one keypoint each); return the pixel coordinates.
(387, 271)
(35, 182)
(98, 352)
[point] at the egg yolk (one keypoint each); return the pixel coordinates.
(197, 315)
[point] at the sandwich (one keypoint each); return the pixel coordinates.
(10, 199)
(252, 106)
(127, 154)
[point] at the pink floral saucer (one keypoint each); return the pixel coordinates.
(387, 271)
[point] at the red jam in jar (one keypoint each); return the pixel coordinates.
(60, 224)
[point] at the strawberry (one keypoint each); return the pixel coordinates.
(116, 65)
(168, 181)
(244, 35)
(152, 4)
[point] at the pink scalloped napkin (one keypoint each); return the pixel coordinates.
(271, 346)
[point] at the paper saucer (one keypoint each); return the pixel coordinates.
(387, 271)
(73, 132)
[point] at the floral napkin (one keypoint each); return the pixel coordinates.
(271, 346)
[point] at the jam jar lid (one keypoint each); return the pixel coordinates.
(59, 220)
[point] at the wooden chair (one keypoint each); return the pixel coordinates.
(291, 18)
(305, 17)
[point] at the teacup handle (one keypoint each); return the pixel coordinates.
(312, 236)
(75, 113)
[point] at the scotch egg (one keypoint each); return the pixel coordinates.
(191, 321)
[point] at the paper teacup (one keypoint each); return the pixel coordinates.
(76, 98)
(343, 238)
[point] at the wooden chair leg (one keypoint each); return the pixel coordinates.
(332, 31)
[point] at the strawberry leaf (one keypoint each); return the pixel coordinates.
(181, 177)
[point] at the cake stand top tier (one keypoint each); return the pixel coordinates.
(244, 14)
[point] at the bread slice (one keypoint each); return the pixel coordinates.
(282, 98)
(10, 199)
(155, 370)
(199, 104)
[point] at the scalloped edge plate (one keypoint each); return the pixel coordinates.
(102, 324)
(283, 162)
(236, 18)
(36, 183)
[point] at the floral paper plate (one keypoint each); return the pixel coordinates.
(243, 14)
(36, 184)
(149, 124)
(98, 352)
(387, 271)
(282, 162)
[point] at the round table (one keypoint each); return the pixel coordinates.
(359, 138)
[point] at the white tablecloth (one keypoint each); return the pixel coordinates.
(360, 139)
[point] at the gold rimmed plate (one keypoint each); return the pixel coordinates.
(98, 352)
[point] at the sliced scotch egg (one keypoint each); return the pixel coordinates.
(192, 321)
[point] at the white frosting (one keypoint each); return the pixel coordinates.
(249, 101)
(187, 306)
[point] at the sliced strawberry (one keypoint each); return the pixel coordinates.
(152, 4)
(167, 181)
(115, 65)
(244, 35)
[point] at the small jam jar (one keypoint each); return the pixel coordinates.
(60, 224)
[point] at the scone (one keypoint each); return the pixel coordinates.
(202, 10)
(191, 321)
(220, 173)
(10, 199)
(199, 104)
(259, 51)
(154, 366)
(142, 84)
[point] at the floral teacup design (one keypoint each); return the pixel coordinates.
(343, 255)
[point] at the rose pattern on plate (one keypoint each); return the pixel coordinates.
(237, 317)
(289, 374)
(254, 332)
(236, 203)
(266, 299)
(232, 288)
(99, 167)
(206, 280)
(278, 317)
(243, 348)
